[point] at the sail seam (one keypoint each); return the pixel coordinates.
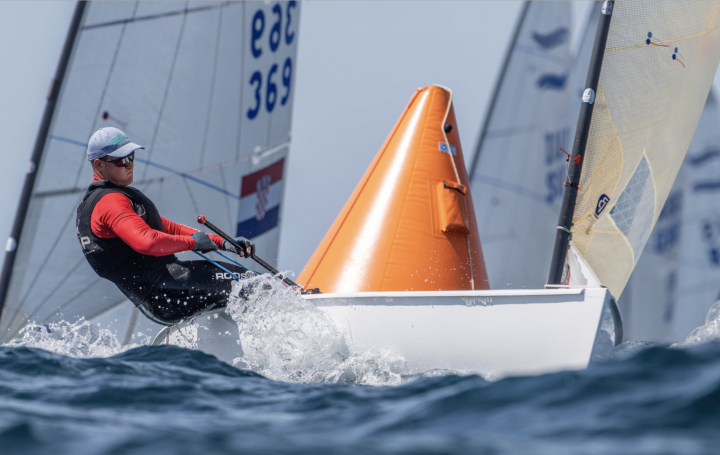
(242, 87)
(156, 16)
(679, 160)
(599, 167)
(639, 45)
(105, 87)
(212, 89)
(167, 88)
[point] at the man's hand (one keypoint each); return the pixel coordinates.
(203, 243)
(248, 248)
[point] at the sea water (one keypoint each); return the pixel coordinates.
(72, 388)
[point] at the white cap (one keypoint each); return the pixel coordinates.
(110, 142)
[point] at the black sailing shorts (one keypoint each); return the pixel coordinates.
(187, 288)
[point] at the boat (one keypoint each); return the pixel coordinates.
(383, 261)
(208, 89)
(423, 291)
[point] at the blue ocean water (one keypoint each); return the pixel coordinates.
(166, 399)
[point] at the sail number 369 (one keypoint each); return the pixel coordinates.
(257, 48)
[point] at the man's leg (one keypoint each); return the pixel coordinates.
(188, 288)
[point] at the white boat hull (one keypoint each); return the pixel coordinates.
(509, 332)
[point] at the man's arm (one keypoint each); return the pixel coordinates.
(113, 216)
(173, 228)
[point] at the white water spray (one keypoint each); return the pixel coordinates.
(287, 338)
(708, 332)
(79, 339)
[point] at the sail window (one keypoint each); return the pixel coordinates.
(634, 210)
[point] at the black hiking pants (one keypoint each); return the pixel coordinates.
(186, 288)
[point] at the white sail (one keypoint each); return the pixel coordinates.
(678, 276)
(658, 66)
(699, 277)
(518, 171)
(207, 88)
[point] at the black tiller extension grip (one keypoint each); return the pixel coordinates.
(202, 220)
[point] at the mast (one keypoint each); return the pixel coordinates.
(498, 83)
(562, 237)
(12, 243)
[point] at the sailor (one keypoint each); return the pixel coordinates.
(126, 241)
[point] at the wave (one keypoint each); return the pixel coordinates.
(177, 400)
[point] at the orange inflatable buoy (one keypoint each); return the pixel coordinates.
(410, 223)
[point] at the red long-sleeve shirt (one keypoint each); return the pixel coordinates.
(113, 216)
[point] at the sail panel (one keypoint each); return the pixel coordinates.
(179, 79)
(519, 171)
(658, 66)
(676, 280)
(699, 276)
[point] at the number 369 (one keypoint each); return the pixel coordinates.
(256, 79)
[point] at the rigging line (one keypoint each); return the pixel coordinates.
(216, 264)
(167, 88)
(83, 160)
(242, 87)
(212, 89)
(157, 16)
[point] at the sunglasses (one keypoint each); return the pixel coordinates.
(121, 162)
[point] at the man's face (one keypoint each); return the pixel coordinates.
(117, 175)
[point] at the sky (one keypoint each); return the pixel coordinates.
(358, 65)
